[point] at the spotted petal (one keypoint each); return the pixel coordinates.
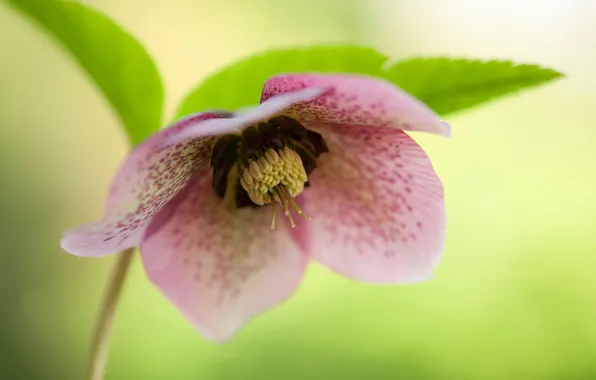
(377, 206)
(220, 266)
(356, 100)
(149, 177)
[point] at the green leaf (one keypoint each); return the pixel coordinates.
(445, 85)
(118, 63)
(450, 85)
(240, 83)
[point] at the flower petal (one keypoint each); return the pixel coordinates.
(266, 110)
(220, 266)
(149, 177)
(377, 207)
(359, 100)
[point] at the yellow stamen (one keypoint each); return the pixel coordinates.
(273, 211)
(277, 176)
(298, 209)
(293, 203)
(283, 197)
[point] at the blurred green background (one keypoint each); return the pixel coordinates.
(514, 297)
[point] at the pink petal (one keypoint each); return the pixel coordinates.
(353, 99)
(266, 110)
(149, 177)
(377, 206)
(220, 266)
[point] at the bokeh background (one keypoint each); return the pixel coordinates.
(514, 297)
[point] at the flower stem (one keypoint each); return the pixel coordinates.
(100, 342)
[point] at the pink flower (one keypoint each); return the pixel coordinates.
(201, 198)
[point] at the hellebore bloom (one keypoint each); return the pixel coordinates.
(213, 199)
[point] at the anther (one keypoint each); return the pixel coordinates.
(255, 171)
(272, 156)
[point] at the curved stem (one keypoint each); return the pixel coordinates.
(100, 342)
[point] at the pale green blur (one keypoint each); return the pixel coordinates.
(514, 296)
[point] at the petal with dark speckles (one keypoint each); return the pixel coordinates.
(149, 177)
(356, 100)
(377, 207)
(220, 266)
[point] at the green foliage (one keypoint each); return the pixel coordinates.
(118, 63)
(240, 83)
(445, 85)
(124, 71)
(450, 85)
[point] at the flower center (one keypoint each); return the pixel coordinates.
(276, 177)
(267, 164)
